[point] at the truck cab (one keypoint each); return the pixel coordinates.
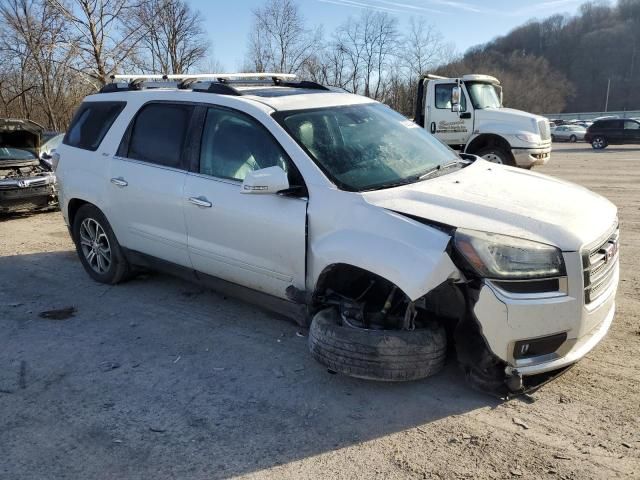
(467, 114)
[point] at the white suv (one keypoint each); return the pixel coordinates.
(336, 210)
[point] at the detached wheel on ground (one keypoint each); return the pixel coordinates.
(97, 246)
(598, 142)
(497, 155)
(388, 355)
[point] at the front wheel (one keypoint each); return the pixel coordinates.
(97, 246)
(387, 355)
(497, 155)
(598, 142)
(573, 139)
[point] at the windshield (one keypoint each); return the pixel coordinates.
(9, 153)
(364, 147)
(483, 95)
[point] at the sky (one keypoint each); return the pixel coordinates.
(465, 23)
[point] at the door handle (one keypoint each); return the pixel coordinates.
(120, 182)
(433, 127)
(200, 202)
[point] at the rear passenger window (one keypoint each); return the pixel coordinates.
(91, 123)
(158, 134)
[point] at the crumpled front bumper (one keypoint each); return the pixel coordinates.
(506, 321)
(31, 193)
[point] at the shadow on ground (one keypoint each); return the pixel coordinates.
(159, 378)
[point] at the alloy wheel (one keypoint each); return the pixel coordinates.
(95, 245)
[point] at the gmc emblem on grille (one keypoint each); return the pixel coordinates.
(610, 251)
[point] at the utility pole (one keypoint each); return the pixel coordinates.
(606, 103)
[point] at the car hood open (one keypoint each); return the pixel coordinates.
(505, 200)
(25, 135)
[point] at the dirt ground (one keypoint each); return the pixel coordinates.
(157, 378)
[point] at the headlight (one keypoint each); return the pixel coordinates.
(503, 257)
(527, 137)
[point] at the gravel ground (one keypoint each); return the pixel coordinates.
(157, 378)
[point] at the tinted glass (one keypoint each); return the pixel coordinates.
(629, 125)
(362, 147)
(443, 97)
(91, 123)
(234, 144)
(159, 132)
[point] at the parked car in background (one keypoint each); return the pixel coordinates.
(340, 212)
(26, 183)
(49, 147)
(568, 133)
(612, 131)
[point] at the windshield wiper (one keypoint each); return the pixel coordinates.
(438, 169)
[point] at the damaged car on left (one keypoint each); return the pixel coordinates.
(26, 182)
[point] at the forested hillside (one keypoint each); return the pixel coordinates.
(563, 63)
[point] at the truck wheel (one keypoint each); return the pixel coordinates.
(497, 155)
(573, 139)
(97, 246)
(387, 355)
(598, 142)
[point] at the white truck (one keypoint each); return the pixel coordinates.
(467, 114)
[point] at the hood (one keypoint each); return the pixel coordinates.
(18, 137)
(491, 120)
(505, 200)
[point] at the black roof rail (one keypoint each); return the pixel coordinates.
(220, 85)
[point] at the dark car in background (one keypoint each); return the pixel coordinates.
(26, 182)
(612, 131)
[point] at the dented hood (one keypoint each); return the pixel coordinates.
(505, 200)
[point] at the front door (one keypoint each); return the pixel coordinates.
(254, 240)
(147, 180)
(631, 131)
(453, 128)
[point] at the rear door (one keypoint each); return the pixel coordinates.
(254, 240)
(147, 179)
(631, 131)
(615, 131)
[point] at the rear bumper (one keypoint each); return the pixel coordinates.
(528, 157)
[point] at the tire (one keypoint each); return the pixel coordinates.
(386, 355)
(573, 139)
(497, 155)
(93, 234)
(553, 138)
(598, 142)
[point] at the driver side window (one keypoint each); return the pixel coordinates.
(234, 144)
(443, 97)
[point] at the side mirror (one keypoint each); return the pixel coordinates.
(265, 180)
(45, 156)
(455, 98)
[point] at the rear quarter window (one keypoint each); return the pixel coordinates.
(157, 134)
(91, 123)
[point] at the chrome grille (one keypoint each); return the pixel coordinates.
(543, 126)
(599, 265)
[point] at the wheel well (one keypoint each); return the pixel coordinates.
(487, 140)
(72, 209)
(349, 281)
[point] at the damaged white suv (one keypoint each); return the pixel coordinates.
(336, 210)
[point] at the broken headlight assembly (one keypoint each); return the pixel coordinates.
(502, 257)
